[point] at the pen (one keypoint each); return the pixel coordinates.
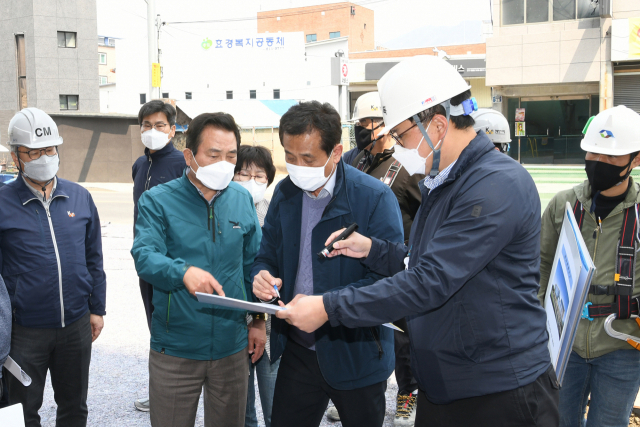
(346, 233)
(276, 289)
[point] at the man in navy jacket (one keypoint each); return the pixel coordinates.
(51, 262)
(161, 163)
(322, 194)
(468, 280)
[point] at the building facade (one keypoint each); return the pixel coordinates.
(48, 57)
(324, 22)
(106, 60)
(550, 61)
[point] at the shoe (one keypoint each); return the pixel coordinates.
(142, 404)
(405, 410)
(332, 414)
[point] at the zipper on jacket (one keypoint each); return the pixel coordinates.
(168, 310)
(377, 340)
(55, 247)
(146, 184)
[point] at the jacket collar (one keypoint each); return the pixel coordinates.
(161, 152)
(479, 146)
(583, 193)
(195, 191)
(339, 204)
(27, 195)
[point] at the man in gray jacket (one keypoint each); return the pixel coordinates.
(5, 328)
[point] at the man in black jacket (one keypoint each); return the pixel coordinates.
(161, 163)
(468, 279)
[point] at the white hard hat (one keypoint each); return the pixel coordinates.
(33, 128)
(416, 84)
(493, 123)
(367, 107)
(613, 132)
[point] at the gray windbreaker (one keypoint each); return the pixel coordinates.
(5, 324)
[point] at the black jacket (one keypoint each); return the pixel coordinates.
(153, 169)
(403, 185)
(475, 323)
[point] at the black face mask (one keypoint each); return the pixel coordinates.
(602, 176)
(364, 136)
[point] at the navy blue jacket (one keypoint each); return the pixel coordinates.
(350, 156)
(150, 170)
(53, 277)
(348, 358)
(469, 295)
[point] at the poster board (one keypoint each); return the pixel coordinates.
(520, 129)
(567, 291)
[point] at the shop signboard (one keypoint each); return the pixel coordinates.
(625, 39)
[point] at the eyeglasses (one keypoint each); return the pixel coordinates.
(158, 126)
(37, 153)
(398, 138)
(244, 175)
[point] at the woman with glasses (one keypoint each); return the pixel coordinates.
(255, 172)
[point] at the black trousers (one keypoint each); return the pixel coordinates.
(301, 395)
(146, 290)
(406, 382)
(535, 404)
(66, 353)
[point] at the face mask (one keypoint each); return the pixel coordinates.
(308, 178)
(603, 176)
(256, 190)
(411, 159)
(216, 176)
(154, 139)
(42, 169)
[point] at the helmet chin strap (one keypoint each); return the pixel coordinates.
(435, 166)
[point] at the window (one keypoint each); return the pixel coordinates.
(252, 94)
(68, 102)
(143, 98)
(532, 11)
(229, 94)
(334, 35)
(66, 39)
(103, 80)
(103, 58)
(187, 95)
(112, 42)
(165, 94)
(311, 38)
(276, 94)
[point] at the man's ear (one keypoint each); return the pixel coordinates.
(636, 161)
(187, 156)
(337, 153)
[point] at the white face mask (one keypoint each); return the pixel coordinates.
(411, 159)
(257, 190)
(42, 169)
(309, 178)
(216, 176)
(154, 139)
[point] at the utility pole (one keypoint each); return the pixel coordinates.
(151, 40)
(159, 25)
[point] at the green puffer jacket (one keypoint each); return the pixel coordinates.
(177, 229)
(591, 338)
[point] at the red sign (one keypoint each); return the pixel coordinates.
(345, 70)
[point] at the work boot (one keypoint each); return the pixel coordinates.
(332, 414)
(142, 404)
(405, 410)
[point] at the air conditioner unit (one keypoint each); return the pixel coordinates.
(353, 10)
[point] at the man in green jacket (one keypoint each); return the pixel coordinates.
(200, 233)
(606, 368)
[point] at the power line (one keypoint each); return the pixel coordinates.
(255, 18)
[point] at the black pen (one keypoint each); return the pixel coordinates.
(346, 233)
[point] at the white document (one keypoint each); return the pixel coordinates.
(17, 371)
(237, 304)
(258, 307)
(12, 416)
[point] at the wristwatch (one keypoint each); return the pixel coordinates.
(259, 316)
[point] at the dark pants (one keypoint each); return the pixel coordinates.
(535, 404)
(302, 395)
(406, 382)
(146, 290)
(66, 354)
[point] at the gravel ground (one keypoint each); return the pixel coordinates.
(119, 364)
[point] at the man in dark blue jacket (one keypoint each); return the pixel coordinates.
(161, 163)
(467, 281)
(321, 194)
(51, 262)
